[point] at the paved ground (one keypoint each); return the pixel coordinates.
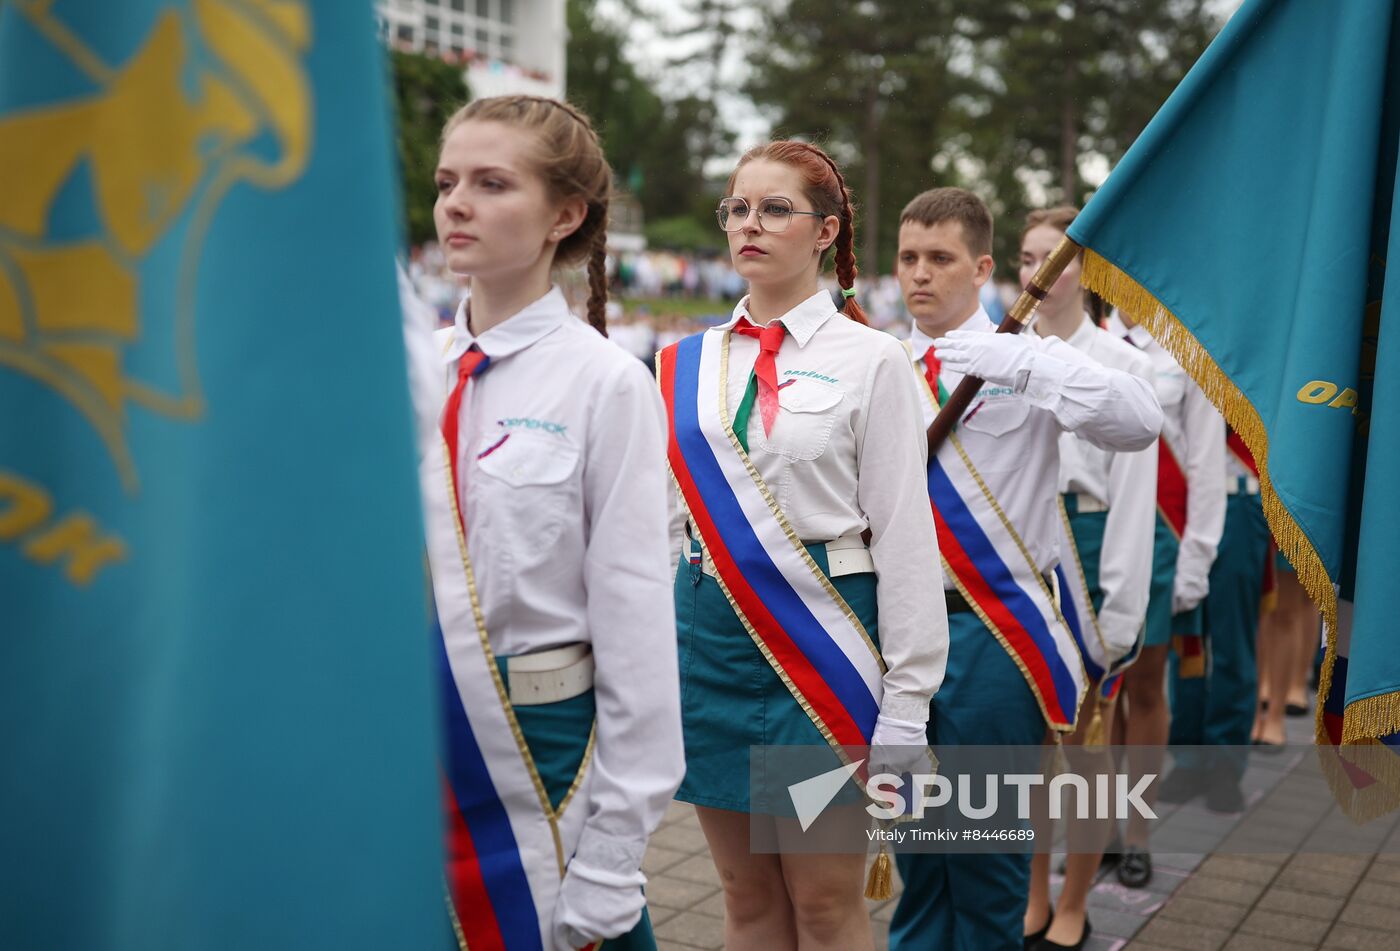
(1310, 897)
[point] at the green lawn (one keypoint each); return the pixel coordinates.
(684, 306)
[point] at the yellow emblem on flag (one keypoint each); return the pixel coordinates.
(162, 140)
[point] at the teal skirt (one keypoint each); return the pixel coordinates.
(557, 736)
(1161, 622)
(1087, 529)
(731, 698)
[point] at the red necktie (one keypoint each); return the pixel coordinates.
(472, 363)
(932, 366)
(770, 340)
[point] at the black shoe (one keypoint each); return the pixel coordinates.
(1135, 867)
(1034, 938)
(1295, 709)
(1182, 785)
(1263, 746)
(1047, 945)
(1224, 795)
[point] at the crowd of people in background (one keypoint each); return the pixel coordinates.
(658, 296)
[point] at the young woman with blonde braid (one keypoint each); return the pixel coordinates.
(545, 495)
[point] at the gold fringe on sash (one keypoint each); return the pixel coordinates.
(879, 886)
(1094, 733)
(1365, 719)
(1188, 667)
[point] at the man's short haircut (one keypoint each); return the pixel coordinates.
(938, 205)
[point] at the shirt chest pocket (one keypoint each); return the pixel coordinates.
(1171, 387)
(995, 419)
(526, 487)
(807, 413)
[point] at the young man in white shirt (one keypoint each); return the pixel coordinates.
(1034, 390)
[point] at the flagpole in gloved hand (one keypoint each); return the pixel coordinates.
(1015, 321)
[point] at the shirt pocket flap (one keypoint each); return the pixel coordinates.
(523, 458)
(997, 417)
(802, 395)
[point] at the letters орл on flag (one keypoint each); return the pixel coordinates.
(215, 701)
(1249, 228)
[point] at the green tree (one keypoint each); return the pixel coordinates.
(1004, 96)
(427, 92)
(656, 147)
(1064, 79)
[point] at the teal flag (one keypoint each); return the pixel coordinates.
(1249, 228)
(215, 703)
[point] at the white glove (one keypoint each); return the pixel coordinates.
(899, 746)
(594, 904)
(1187, 592)
(1003, 359)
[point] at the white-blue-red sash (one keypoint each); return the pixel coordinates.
(1076, 604)
(506, 846)
(988, 563)
(989, 566)
(803, 626)
(1077, 608)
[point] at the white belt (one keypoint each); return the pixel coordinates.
(846, 555)
(550, 676)
(1242, 485)
(1085, 503)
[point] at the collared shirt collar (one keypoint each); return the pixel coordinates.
(1082, 334)
(802, 322)
(513, 334)
(1136, 334)
(919, 342)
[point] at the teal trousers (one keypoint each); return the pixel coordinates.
(1218, 709)
(970, 902)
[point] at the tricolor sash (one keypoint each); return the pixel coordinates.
(1077, 607)
(507, 848)
(1171, 489)
(989, 564)
(803, 627)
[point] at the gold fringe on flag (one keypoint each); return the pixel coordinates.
(1364, 778)
(1130, 297)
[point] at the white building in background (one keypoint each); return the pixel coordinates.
(507, 46)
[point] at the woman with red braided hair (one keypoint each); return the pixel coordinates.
(545, 497)
(806, 519)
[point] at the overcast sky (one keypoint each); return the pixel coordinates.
(651, 49)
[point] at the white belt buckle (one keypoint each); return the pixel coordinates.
(848, 561)
(1086, 504)
(550, 676)
(846, 555)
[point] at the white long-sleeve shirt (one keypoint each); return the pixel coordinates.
(1013, 440)
(847, 453)
(1195, 431)
(562, 445)
(1127, 483)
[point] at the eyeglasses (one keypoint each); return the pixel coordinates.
(774, 214)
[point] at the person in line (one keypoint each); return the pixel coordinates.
(807, 591)
(542, 451)
(1213, 703)
(1109, 503)
(1008, 681)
